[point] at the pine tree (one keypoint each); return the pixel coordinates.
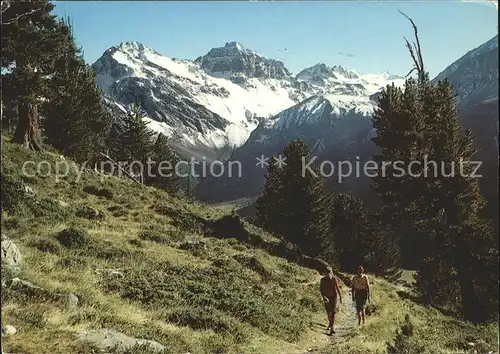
(164, 168)
(31, 41)
(136, 141)
(269, 205)
(446, 206)
(382, 255)
(404, 342)
(76, 122)
(348, 225)
(467, 240)
(361, 238)
(295, 205)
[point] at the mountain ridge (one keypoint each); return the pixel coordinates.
(218, 99)
(346, 134)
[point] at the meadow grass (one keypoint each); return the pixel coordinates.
(190, 292)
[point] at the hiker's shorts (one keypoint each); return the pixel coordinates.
(360, 296)
(331, 305)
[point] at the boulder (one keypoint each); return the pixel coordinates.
(9, 330)
(11, 256)
(29, 192)
(107, 339)
(30, 289)
(24, 286)
(62, 203)
(71, 301)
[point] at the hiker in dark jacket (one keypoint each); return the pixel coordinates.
(329, 288)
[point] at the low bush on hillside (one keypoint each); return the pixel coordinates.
(405, 342)
(13, 196)
(224, 286)
(150, 235)
(74, 238)
(97, 191)
(47, 245)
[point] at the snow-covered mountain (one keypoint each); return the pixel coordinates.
(218, 99)
(475, 75)
(343, 81)
(336, 121)
(332, 125)
(184, 101)
(236, 62)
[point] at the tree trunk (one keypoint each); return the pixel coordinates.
(470, 307)
(27, 127)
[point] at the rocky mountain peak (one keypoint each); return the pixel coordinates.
(234, 60)
(345, 72)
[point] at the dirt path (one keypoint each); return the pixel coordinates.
(345, 322)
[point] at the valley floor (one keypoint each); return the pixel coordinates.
(106, 255)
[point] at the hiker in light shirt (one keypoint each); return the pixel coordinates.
(360, 293)
(329, 288)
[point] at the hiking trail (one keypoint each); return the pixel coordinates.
(317, 337)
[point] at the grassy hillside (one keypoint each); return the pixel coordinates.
(187, 276)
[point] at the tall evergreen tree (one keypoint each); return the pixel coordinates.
(295, 204)
(269, 205)
(76, 122)
(163, 170)
(467, 238)
(361, 238)
(445, 204)
(31, 41)
(349, 226)
(137, 140)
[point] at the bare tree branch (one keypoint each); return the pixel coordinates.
(417, 58)
(412, 70)
(412, 53)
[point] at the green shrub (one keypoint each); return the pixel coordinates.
(150, 235)
(218, 343)
(90, 213)
(49, 209)
(135, 242)
(100, 192)
(253, 264)
(46, 245)
(118, 210)
(13, 195)
(10, 222)
(71, 262)
(203, 319)
(181, 218)
(74, 238)
(223, 287)
(119, 213)
(404, 343)
(310, 303)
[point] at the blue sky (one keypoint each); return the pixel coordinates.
(311, 32)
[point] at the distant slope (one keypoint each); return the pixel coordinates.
(475, 75)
